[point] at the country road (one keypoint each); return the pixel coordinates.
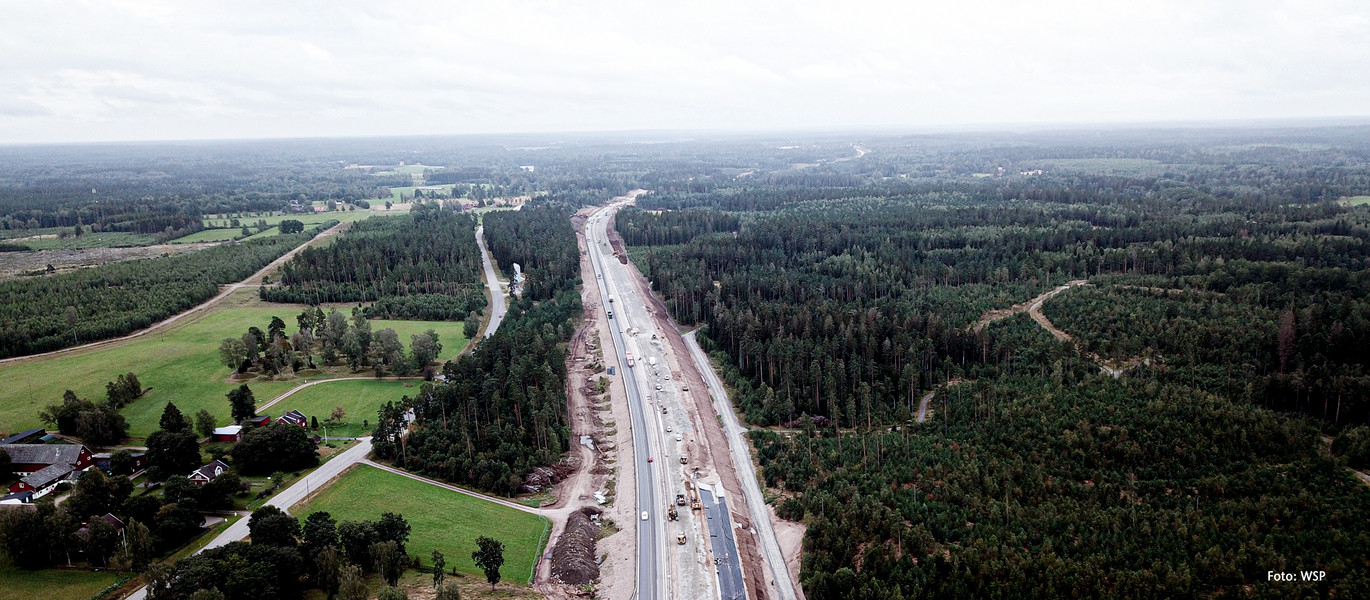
(497, 305)
(252, 280)
(923, 406)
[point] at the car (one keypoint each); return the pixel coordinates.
(644, 515)
(668, 429)
(599, 276)
(658, 387)
(649, 459)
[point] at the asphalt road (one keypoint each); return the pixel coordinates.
(729, 567)
(289, 497)
(651, 567)
(497, 306)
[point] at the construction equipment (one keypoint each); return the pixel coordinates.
(671, 514)
(680, 539)
(680, 499)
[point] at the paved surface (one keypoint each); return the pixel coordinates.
(651, 560)
(289, 497)
(497, 304)
(249, 282)
(729, 567)
(746, 474)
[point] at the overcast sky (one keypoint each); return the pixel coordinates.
(116, 70)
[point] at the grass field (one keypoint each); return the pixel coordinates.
(1355, 201)
(360, 399)
(440, 519)
(395, 192)
(180, 365)
(53, 584)
(209, 235)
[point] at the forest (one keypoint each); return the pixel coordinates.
(423, 266)
(1227, 288)
(502, 409)
(47, 313)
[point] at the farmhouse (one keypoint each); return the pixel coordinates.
(231, 433)
(208, 473)
(115, 522)
(42, 482)
(31, 458)
(294, 417)
(17, 498)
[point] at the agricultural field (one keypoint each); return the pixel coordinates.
(359, 398)
(1355, 201)
(402, 194)
(440, 519)
(180, 365)
(54, 584)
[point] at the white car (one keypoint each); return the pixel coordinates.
(658, 387)
(644, 515)
(668, 429)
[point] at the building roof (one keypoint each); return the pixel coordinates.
(294, 416)
(44, 454)
(47, 475)
(210, 471)
(228, 430)
(23, 436)
(24, 497)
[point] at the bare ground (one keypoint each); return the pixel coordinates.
(16, 264)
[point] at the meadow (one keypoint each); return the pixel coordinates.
(1355, 201)
(179, 364)
(440, 519)
(54, 584)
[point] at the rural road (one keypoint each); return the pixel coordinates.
(746, 473)
(289, 497)
(497, 305)
(249, 282)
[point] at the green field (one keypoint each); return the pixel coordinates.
(53, 584)
(360, 399)
(180, 365)
(440, 519)
(209, 235)
(1355, 201)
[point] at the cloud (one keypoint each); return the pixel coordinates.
(151, 69)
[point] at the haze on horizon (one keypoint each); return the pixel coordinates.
(147, 70)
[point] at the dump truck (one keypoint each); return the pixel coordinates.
(680, 499)
(680, 539)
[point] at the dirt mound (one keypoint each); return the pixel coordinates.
(573, 558)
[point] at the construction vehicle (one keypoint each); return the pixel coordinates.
(663, 409)
(680, 499)
(694, 496)
(611, 314)
(683, 460)
(671, 514)
(680, 539)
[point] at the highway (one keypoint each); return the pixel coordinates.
(651, 560)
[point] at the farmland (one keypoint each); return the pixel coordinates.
(55, 584)
(441, 519)
(180, 365)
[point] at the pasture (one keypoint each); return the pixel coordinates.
(359, 398)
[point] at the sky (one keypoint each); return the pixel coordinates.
(149, 70)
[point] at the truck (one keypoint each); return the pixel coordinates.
(630, 359)
(611, 314)
(671, 514)
(680, 539)
(651, 360)
(680, 499)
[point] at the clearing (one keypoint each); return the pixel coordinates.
(180, 364)
(440, 519)
(1355, 201)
